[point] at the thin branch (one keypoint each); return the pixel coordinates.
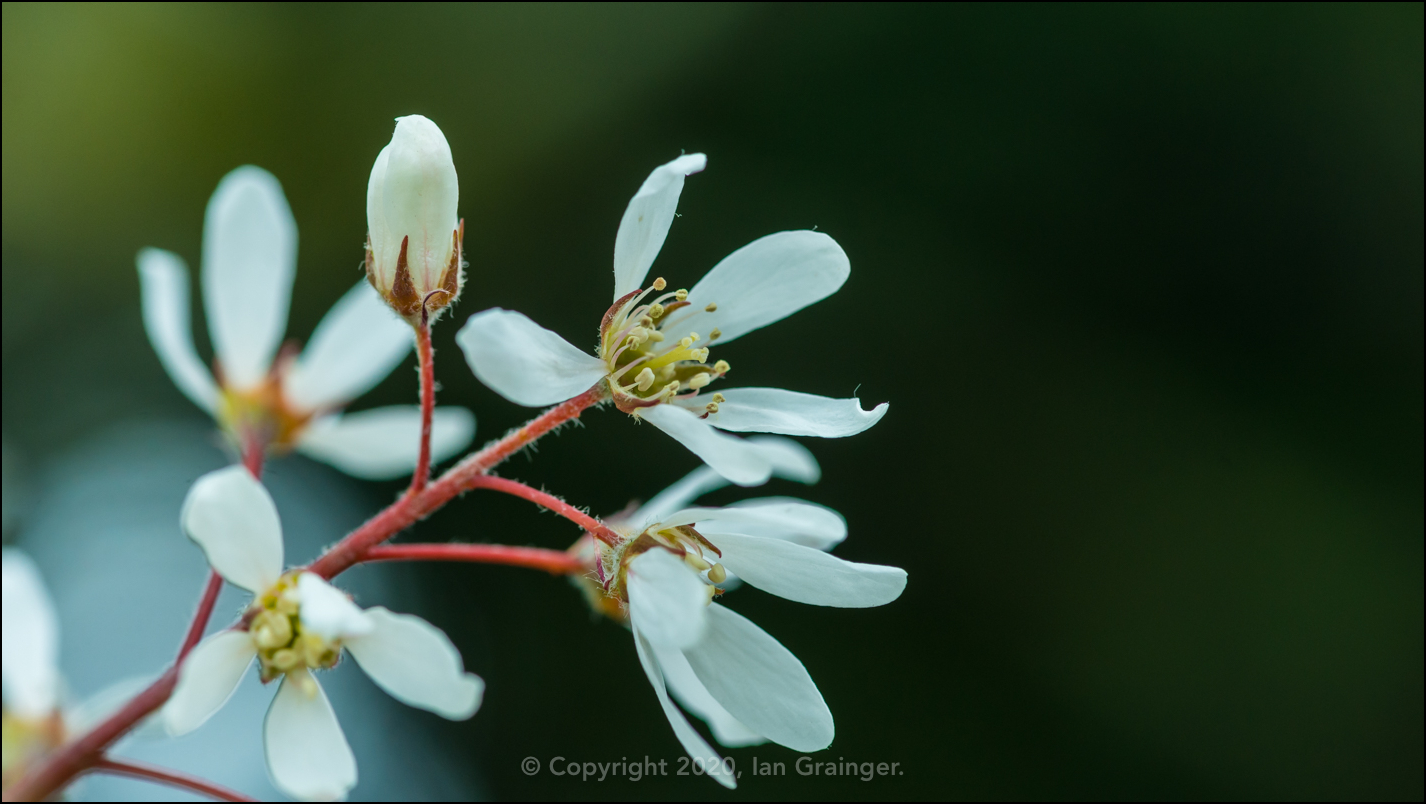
(201, 616)
(554, 504)
(426, 357)
(153, 773)
(556, 562)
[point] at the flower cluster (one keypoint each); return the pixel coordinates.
(663, 570)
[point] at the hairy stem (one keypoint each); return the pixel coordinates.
(139, 770)
(596, 528)
(556, 562)
(426, 357)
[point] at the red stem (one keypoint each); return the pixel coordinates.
(201, 616)
(415, 507)
(556, 562)
(596, 528)
(425, 357)
(139, 770)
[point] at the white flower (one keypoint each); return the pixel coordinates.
(298, 623)
(654, 351)
(413, 254)
(249, 260)
(716, 663)
(29, 666)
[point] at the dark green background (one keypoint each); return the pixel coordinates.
(1143, 286)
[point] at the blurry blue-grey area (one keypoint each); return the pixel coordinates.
(1142, 284)
(125, 582)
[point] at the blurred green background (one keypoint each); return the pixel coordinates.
(1142, 284)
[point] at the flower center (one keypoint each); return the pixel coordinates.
(652, 355)
(698, 553)
(283, 644)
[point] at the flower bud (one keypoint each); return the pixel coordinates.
(413, 252)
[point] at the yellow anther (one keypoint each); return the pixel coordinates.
(655, 335)
(719, 398)
(645, 380)
(685, 342)
(712, 307)
(639, 334)
(672, 387)
(696, 561)
(646, 321)
(701, 355)
(655, 310)
(711, 407)
(285, 659)
(694, 336)
(659, 284)
(717, 574)
(681, 295)
(721, 367)
(716, 333)
(271, 630)
(698, 381)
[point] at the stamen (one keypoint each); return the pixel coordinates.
(711, 407)
(655, 336)
(716, 333)
(698, 381)
(645, 380)
(721, 367)
(717, 574)
(696, 561)
(711, 308)
(686, 342)
(655, 310)
(701, 355)
(659, 284)
(681, 295)
(719, 398)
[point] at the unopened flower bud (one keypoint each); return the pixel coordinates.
(413, 256)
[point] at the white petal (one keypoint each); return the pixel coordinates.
(766, 281)
(774, 410)
(647, 219)
(232, 517)
(793, 520)
(730, 457)
(416, 663)
(207, 680)
(760, 682)
(383, 443)
(164, 280)
(789, 460)
(29, 661)
(327, 612)
(694, 744)
(307, 753)
(779, 518)
(358, 342)
(806, 574)
(693, 696)
(249, 259)
(524, 362)
(666, 599)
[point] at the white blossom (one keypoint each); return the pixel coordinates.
(29, 667)
(258, 391)
(717, 664)
(654, 351)
(413, 253)
(297, 624)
